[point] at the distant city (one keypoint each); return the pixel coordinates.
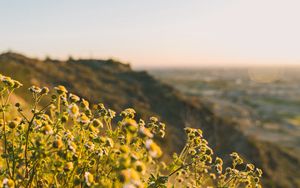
(265, 101)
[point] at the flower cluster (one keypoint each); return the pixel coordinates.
(70, 143)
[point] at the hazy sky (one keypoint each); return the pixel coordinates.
(155, 32)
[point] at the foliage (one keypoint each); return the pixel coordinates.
(67, 143)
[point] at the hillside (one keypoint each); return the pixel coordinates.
(119, 87)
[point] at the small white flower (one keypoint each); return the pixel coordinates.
(90, 146)
(148, 143)
(73, 110)
(89, 178)
(1, 79)
(49, 132)
(72, 146)
(74, 98)
(83, 119)
(153, 149)
(5, 181)
(68, 136)
(129, 185)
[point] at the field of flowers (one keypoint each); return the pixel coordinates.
(70, 143)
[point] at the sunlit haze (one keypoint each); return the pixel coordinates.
(155, 33)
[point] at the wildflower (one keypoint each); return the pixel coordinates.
(145, 132)
(102, 152)
(85, 104)
(153, 119)
(209, 159)
(212, 176)
(64, 118)
(109, 142)
(228, 170)
(44, 91)
(124, 149)
(140, 167)
(163, 165)
(118, 157)
(219, 161)
(93, 130)
(83, 119)
(61, 89)
(8, 81)
(73, 110)
(58, 143)
(47, 129)
(234, 155)
(161, 133)
(198, 133)
(74, 98)
(72, 146)
(68, 167)
(77, 180)
(250, 167)
(130, 125)
(239, 161)
(204, 142)
(192, 151)
(259, 172)
(17, 84)
(68, 136)
(235, 171)
(89, 178)
(45, 117)
(111, 113)
(97, 123)
(142, 122)
(128, 175)
(124, 162)
(209, 151)
(153, 148)
(8, 183)
(99, 106)
(52, 107)
(37, 124)
(219, 169)
(90, 146)
(128, 113)
(14, 123)
(63, 98)
(35, 89)
(248, 183)
(162, 126)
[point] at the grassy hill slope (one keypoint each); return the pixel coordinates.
(118, 86)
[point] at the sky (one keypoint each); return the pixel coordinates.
(155, 33)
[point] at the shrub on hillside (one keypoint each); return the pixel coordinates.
(68, 143)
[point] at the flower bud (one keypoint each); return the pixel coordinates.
(61, 89)
(44, 91)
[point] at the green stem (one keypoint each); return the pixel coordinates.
(182, 167)
(4, 132)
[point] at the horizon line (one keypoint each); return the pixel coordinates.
(207, 64)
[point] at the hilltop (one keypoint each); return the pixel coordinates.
(119, 87)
